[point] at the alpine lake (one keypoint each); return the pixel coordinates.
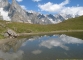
(62, 46)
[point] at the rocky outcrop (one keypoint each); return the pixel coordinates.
(10, 33)
(16, 13)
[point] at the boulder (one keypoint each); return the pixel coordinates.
(10, 33)
(6, 35)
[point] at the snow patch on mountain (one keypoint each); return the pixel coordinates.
(4, 14)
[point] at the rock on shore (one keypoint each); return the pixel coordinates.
(10, 33)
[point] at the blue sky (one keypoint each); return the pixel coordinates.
(53, 6)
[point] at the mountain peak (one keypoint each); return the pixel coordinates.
(14, 2)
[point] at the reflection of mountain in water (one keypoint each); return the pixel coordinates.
(12, 51)
(6, 50)
(15, 45)
(20, 49)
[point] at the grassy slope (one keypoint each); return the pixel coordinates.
(71, 24)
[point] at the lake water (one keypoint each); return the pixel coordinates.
(46, 47)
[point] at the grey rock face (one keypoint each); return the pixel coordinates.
(16, 13)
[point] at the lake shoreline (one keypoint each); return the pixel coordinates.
(38, 33)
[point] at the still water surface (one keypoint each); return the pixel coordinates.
(45, 47)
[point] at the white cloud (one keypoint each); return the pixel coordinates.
(61, 8)
(50, 7)
(24, 7)
(19, 0)
(36, 0)
(4, 14)
(64, 3)
(73, 10)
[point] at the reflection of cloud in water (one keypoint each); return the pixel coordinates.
(31, 40)
(36, 52)
(60, 42)
(34, 38)
(11, 56)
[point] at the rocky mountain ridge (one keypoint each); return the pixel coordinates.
(14, 12)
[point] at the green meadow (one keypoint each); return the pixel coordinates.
(70, 24)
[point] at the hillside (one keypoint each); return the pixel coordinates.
(71, 24)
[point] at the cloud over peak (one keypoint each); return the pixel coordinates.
(24, 7)
(73, 10)
(61, 8)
